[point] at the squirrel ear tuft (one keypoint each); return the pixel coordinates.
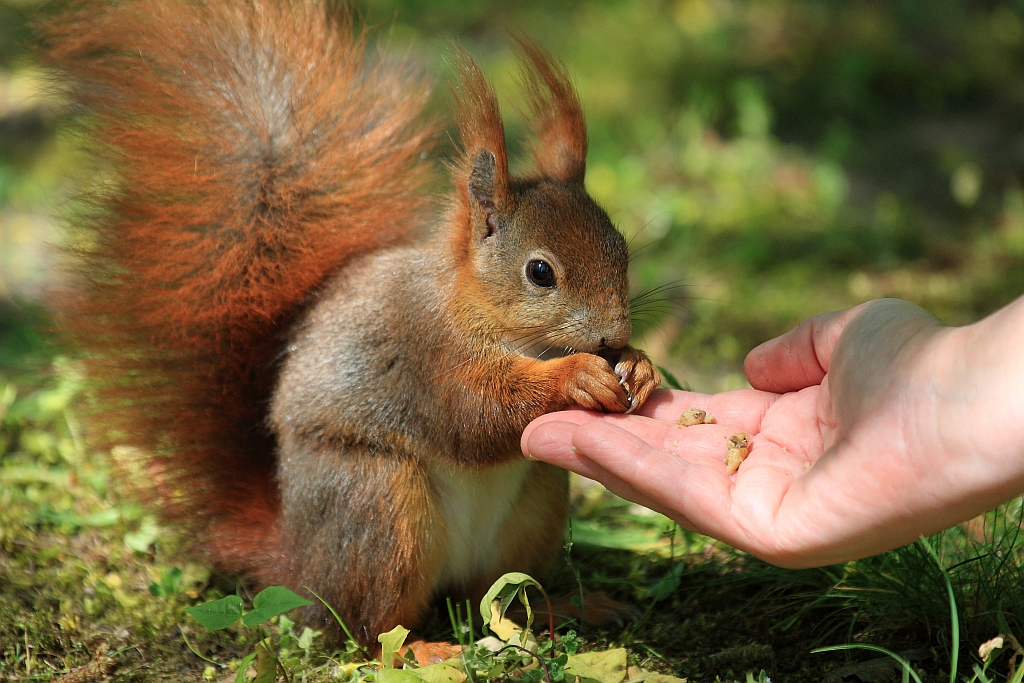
(560, 132)
(482, 168)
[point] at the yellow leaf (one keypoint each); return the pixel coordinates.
(397, 676)
(449, 671)
(504, 628)
(605, 667)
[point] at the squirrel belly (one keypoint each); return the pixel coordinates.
(372, 480)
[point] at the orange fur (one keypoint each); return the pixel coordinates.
(560, 131)
(480, 125)
(255, 151)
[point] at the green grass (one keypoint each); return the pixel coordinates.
(84, 570)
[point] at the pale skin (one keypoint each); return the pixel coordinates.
(871, 427)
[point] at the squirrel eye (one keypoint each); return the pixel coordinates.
(540, 273)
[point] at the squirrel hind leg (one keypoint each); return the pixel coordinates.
(364, 529)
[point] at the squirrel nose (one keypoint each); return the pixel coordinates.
(618, 333)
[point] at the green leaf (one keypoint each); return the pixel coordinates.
(397, 676)
(505, 598)
(667, 584)
(442, 672)
(571, 642)
(170, 582)
(306, 639)
(954, 648)
(145, 536)
(390, 643)
(242, 666)
(7, 396)
(670, 379)
(606, 667)
(107, 517)
(272, 601)
(514, 579)
(217, 614)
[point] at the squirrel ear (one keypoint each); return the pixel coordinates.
(482, 170)
(560, 132)
(482, 178)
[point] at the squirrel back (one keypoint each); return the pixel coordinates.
(251, 149)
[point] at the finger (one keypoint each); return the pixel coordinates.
(633, 469)
(573, 417)
(551, 442)
(695, 492)
(742, 409)
(799, 358)
(734, 411)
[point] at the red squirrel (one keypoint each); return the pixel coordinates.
(329, 377)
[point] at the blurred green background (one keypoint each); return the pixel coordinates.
(768, 160)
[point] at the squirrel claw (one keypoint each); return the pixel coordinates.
(639, 376)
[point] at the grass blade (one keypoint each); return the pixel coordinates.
(954, 613)
(341, 623)
(907, 669)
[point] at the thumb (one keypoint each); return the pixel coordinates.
(801, 357)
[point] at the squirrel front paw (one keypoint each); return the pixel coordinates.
(638, 375)
(589, 382)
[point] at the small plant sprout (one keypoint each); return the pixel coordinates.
(511, 652)
(268, 603)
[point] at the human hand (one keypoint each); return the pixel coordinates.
(870, 426)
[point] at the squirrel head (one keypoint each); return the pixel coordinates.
(541, 255)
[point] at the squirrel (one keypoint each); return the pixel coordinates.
(327, 369)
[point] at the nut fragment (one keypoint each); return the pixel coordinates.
(739, 440)
(734, 458)
(738, 450)
(693, 416)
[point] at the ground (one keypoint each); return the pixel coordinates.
(87, 574)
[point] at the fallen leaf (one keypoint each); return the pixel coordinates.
(990, 646)
(444, 672)
(266, 663)
(397, 676)
(606, 667)
(502, 627)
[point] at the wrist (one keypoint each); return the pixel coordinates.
(989, 363)
(973, 460)
(931, 424)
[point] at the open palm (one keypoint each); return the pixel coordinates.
(863, 439)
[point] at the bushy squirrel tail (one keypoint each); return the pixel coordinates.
(249, 149)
